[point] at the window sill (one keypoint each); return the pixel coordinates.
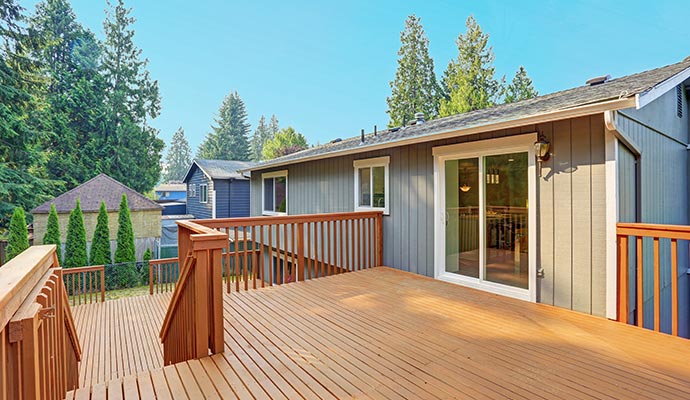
(273, 213)
(360, 208)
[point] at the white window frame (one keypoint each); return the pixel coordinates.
(270, 175)
(371, 163)
(192, 190)
(201, 192)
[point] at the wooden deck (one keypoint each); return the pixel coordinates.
(382, 333)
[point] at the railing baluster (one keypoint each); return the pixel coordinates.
(640, 285)
(236, 274)
(674, 287)
(245, 267)
(270, 254)
(623, 279)
(657, 287)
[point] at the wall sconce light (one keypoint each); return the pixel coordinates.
(541, 151)
(465, 188)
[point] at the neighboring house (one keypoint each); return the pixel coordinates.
(145, 213)
(465, 200)
(215, 189)
(171, 192)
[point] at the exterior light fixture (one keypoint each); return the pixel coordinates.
(541, 151)
(465, 188)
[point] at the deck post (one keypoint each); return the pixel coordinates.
(216, 274)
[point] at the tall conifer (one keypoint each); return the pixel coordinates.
(100, 244)
(125, 251)
(52, 235)
(19, 235)
(75, 246)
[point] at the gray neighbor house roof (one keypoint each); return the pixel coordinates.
(92, 192)
(219, 169)
(625, 92)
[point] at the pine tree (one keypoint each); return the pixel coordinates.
(179, 157)
(52, 235)
(521, 88)
(229, 139)
(100, 244)
(131, 150)
(70, 57)
(148, 255)
(24, 118)
(273, 128)
(415, 88)
(259, 138)
(469, 80)
(125, 251)
(286, 141)
(75, 246)
(19, 234)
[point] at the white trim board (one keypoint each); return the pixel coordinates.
(642, 99)
(511, 144)
(371, 163)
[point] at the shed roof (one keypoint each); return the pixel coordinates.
(171, 187)
(92, 192)
(614, 92)
(219, 169)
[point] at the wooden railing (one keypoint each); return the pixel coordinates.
(648, 269)
(281, 249)
(193, 324)
(163, 275)
(39, 350)
(84, 285)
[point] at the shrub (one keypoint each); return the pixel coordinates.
(19, 235)
(125, 251)
(75, 247)
(100, 244)
(52, 235)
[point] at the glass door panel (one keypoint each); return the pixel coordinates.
(506, 222)
(462, 216)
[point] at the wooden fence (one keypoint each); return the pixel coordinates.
(39, 350)
(85, 285)
(635, 288)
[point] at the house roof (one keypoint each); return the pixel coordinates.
(171, 187)
(634, 90)
(95, 190)
(219, 169)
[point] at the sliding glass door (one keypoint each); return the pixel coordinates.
(485, 219)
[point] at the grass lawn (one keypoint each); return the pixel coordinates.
(129, 292)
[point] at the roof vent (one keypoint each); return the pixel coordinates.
(336, 140)
(419, 117)
(598, 80)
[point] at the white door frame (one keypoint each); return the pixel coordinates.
(511, 144)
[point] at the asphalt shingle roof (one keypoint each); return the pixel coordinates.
(222, 169)
(624, 87)
(95, 190)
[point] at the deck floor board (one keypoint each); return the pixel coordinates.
(381, 333)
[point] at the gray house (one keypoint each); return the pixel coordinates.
(215, 189)
(520, 199)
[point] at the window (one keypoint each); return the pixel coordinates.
(203, 193)
(275, 192)
(192, 190)
(371, 184)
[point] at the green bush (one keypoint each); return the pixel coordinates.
(19, 235)
(75, 247)
(125, 251)
(100, 245)
(52, 235)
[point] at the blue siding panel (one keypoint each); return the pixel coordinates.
(194, 207)
(238, 200)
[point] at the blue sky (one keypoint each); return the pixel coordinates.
(325, 68)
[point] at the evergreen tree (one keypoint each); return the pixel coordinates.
(273, 128)
(100, 244)
(19, 234)
(179, 157)
(469, 80)
(260, 136)
(70, 56)
(75, 246)
(125, 251)
(415, 88)
(286, 141)
(521, 88)
(148, 255)
(229, 139)
(24, 118)
(52, 235)
(131, 150)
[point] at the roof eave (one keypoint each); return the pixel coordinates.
(648, 96)
(588, 109)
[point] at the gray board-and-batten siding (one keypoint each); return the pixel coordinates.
(570, 196)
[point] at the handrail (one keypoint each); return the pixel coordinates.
(40, 349)
(193, 323)
(83, 282)
(633, 251)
